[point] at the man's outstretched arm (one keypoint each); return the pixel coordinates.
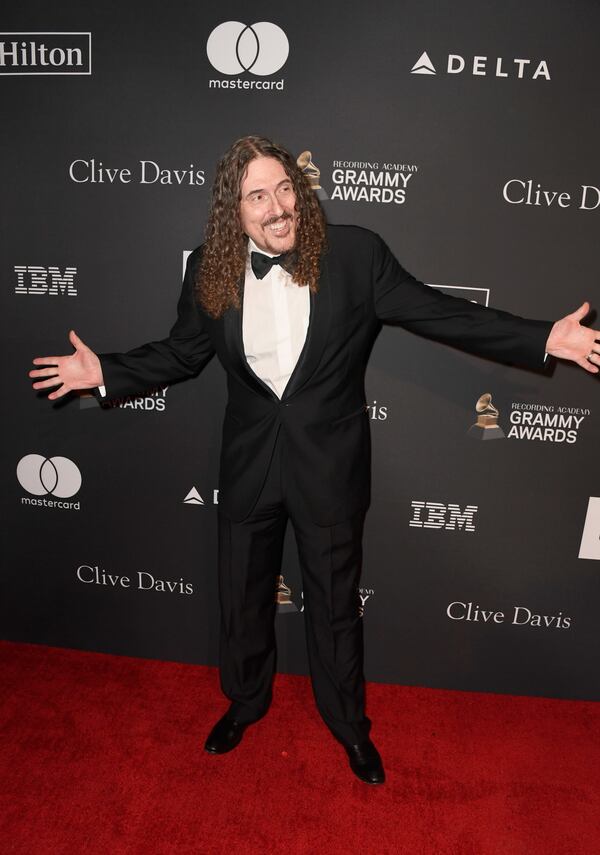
(184, 353)
(400, 298)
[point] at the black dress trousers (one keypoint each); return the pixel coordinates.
(250, 554)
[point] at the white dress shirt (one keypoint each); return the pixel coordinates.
(276, 313)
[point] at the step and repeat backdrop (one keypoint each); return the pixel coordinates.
(467, 135)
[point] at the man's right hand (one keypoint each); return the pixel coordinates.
(81, 370)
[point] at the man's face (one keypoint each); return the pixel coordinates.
(267, 206)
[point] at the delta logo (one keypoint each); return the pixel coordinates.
(483, 66)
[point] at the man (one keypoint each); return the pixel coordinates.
(291, 307)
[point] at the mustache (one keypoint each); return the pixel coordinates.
(285, 216)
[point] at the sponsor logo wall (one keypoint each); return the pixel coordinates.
(475, 158)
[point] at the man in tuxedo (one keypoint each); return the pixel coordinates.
(291, 307)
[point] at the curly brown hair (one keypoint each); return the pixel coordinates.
(225, 249)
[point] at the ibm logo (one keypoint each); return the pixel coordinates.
(35, 280)
(437, 515)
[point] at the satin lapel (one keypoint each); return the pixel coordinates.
(232, 329)
(316, 336)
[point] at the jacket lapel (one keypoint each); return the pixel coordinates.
(316, 336)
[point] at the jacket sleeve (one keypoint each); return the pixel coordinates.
(184, 353)
(402, 299)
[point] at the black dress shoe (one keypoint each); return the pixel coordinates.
(365, 762)
(225, 736)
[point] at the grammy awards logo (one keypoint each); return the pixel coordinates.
(313, 173)
(284, 597)
(486, 426)
(154, 400)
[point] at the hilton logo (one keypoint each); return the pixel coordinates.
(45, 53)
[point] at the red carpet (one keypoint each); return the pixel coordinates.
(101, 755)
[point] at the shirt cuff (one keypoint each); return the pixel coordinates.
(102, 391)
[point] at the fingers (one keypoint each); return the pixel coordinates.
(76, 341)
(581, 312)
(589, 366)
(59, 393)
(47, 384)
(47, 360)
(50, 371)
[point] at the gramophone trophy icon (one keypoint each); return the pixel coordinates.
(312, 172)
(283, 597)
(486, 426)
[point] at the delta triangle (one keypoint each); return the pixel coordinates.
(193, 498)
(423, 65)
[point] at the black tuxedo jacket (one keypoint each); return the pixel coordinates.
(322, 412)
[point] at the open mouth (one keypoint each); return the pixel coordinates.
(281, 226)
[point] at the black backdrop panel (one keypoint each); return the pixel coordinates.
(467, 136)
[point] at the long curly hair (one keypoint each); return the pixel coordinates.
(225, 249)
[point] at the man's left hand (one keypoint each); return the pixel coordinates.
(569, 340)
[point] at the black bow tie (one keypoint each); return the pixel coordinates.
(261, 264)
